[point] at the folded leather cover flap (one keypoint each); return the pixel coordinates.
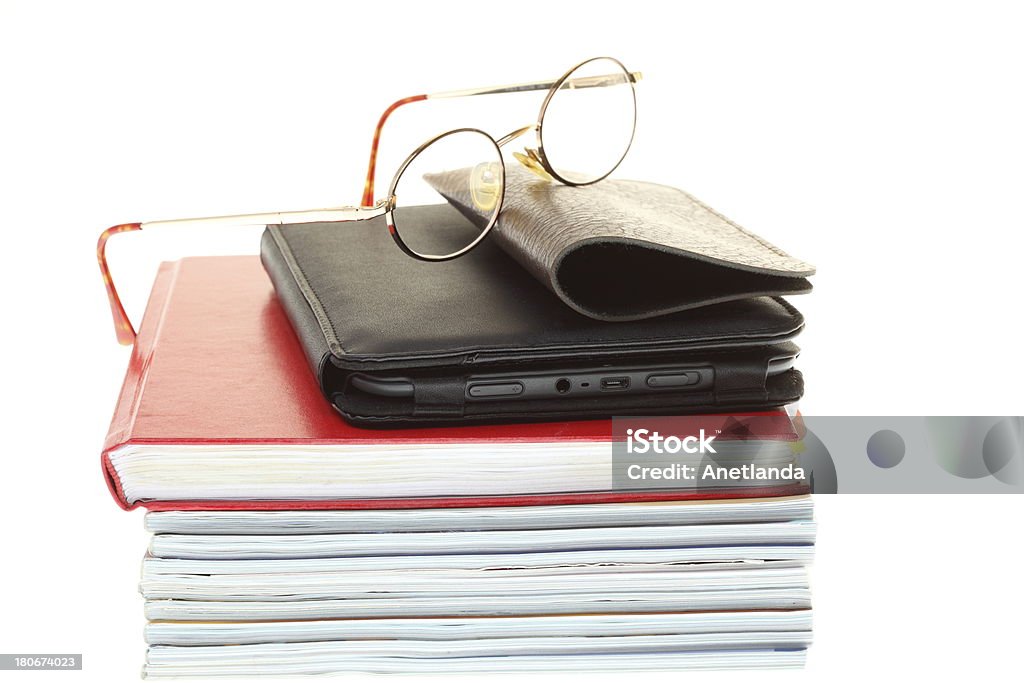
(352, 293)
(628, 250)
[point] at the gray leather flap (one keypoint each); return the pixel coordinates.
(627, 250)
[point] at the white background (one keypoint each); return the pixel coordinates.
(881, 142)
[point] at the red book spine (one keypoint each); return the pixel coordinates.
(128, 401)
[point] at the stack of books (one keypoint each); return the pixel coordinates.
(286, 541)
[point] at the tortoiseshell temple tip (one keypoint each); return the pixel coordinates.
(122, 325)
(371, 171)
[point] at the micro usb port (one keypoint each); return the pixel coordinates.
(614, 383)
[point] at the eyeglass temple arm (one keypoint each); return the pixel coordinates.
(123, 326)
(581, 82)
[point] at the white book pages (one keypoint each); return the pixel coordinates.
(645, 559)
(482, 519)
(383, 470)
(356, 545)
(219, 633)
(466, 583)
(628, 662)
(492, 605)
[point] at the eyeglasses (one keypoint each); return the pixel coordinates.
(584, 130)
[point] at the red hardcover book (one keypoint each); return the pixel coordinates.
(219, 411)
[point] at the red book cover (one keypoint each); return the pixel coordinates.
(216, 363)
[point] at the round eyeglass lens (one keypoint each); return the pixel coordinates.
(448, 193)
(588, 123)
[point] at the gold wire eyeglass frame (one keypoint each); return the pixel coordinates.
(533, 158)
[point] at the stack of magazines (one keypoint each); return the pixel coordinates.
(628, 586)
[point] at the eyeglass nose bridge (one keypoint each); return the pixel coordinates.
(519, 132)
